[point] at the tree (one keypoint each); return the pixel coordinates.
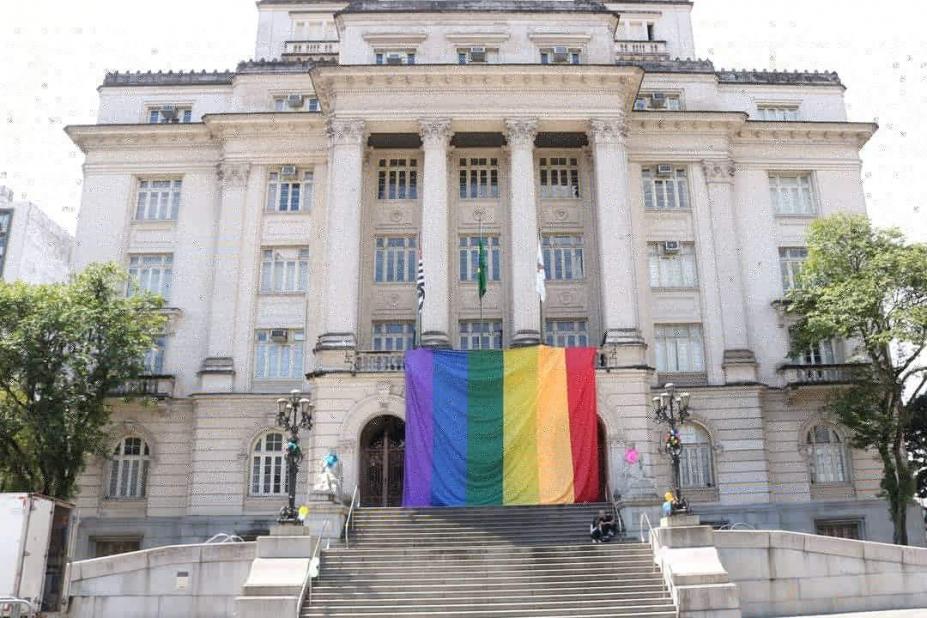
(917, 442)
(868, 286)
(64, 349)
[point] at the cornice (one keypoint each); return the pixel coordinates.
(91, 137)
(266, 124)
(809, 133)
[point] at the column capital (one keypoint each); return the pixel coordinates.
(346, 132)
(613, 130)
(720, 170)
(435, 132)
(233, 174)
(521, 131)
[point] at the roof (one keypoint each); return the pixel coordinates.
(485, 6)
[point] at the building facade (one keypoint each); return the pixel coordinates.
(33, 248)
(282, 208)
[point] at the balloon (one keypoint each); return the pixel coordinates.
(667, 508)
(631, 456)
(331, 460)
(668, 496)
(303, 512)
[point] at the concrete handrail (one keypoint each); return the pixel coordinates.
(306, 591)
(13, 603)
(348, 519)
(223, 537)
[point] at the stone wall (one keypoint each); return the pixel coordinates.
(174, 581)
(789, 574)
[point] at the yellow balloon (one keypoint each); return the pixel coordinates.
(668, 496)
(303, 511)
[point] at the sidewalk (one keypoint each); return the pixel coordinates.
(893, 613)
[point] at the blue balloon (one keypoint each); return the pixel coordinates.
(331, 460)
(667, 508)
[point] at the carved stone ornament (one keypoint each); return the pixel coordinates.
(435, 132)
(343, 132)
(521, 131)
(233, 175)
(608, 130)
(719, 171)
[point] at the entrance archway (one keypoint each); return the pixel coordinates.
(603, 461)
(382, 446)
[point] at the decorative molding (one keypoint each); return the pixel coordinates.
(521, 131)
(233, 175)
(608, 131)
(346, 132)
(435, 132)
(719, 171)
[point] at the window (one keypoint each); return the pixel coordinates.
(790, 261)
(394, 56)
(397, 179)
(559, 177)
(658, 101)
(128, 472)
(268, 466)
(470, 258)
(296, 103)
(777, 112)
(828, 456)
(480, 335)
(151, 273)
(393, 336)
(6, 220)
(840, 528)
(284, 270)
(561, 55)
(394, 259)
(289, 193)
(821, 354)
(169, 114)
(479, 178)
(110, 546)
(791, 194)
(154, 357)
(695, 469)
(279, 354)
(476, 55)
(566, 333)
(563, 257)
(672, 265)
(665, 189)
(158, 200)
(679, 348)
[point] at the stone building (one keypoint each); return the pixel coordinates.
(281, 209)
(33, 248)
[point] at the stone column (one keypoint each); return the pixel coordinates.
(217, 373)
(436, 136)
(739, 362)
(523, 232)
(346, 162)
(617, 270)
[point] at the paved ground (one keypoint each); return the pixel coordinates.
(897, 613)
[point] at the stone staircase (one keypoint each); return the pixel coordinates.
(515, 562)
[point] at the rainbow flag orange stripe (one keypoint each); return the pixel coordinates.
(495, 427)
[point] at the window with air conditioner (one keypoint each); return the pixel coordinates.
(289, 189)
(296, 103)
(476, 55)
(278, 354)
(169, 114)
(672, 265)
(658, 101)
(665, 187)
(394, 56)
(561, 55)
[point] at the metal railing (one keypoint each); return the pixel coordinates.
(348, 522)
(309, 47)
(824, 373)
(305, 593)
(15, 607)
(222, 537)
(641, 49)
(737, 526)
(649, 539)
(619, 521)
(378, 362)
(160, 386)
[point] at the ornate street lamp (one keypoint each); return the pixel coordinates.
(673, 410)
(293, 413)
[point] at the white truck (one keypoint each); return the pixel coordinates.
(35, 533)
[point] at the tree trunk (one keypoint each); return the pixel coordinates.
(903, 494)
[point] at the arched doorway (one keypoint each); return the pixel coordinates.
(603, 462)
(382, 445)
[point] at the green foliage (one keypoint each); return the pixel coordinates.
(917, 442)
(869, 286)
(64, 348)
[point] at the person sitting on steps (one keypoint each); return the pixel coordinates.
(603, 527)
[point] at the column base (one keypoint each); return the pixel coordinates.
(217, 374)
(623, 347)
(739, 367)
(623, 336)
(336, 341)
(435, 339)
(525, 338)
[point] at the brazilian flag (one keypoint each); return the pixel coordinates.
(481, 269)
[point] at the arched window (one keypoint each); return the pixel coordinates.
(128, 473)
(828, 456)
(268, 466)
(695, 464)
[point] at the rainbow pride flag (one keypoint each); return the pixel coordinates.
(495, 427)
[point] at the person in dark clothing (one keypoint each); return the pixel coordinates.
(603, 528)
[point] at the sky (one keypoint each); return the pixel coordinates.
(58, 51)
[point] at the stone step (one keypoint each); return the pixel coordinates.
(614, 549)
(569, 610)
(520, 579)
(425, 562)
(329, 596)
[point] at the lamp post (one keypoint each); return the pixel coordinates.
(673, 410)
(293, 413)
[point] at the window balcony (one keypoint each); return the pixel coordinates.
(156, 386)
(796, 375)
(641, 50)
(379, 361)
(308, 50)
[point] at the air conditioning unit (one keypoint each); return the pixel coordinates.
(477, 54)
(658, 100)
(295, 101)
(671, 246)
(279, 335)
(168, 113)
(288, 171)
(394, 59)
(664, 169)
(561, 54)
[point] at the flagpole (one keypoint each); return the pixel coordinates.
(479, 266)
(540, 303)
